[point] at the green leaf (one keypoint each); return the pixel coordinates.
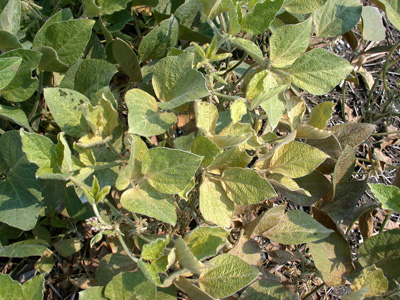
(130, 285)
(41, 151)
(33, 289)
(8, 69)
(319, 71)
(156, 43)
(15, 115)
(238, 108)
(68, 247)
(8, 41)
(287, 161)
(144, 118)
(267, 289)
(20, 196)
(302, 7)
(146, 200)
(50, 60)
(228, 275)
(382, 250)
(66, 107)
(69, 38)
(289, 42)
(154, 249)
(352, 134)
(251, 49)
(150, 272)
(245, 186)
(176, 83)
(204, 147)
(10, 17)
(336, 17)
(111, 265)
(186, 258)
(24, 248)
(22, 86)
(265, 221)
(233, 135)
(260, 17)
(93, 293)
(215, 206)
(40, 36)
(134, 166)
(297, 227)
(332, 257)
(372, 26)
(206, 117)
(321, 114)
(94, 8)
(233, 157)
(10, 289)
(127, 59)
(388, 195)
(392, 8)
(205, 241)
(373, 279)
(169, 170)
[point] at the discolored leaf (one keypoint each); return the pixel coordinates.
(303, 7)
(267, 289)
(274, 107)
(321, 114)
(287, 162)
(308, 132)
(228, 275)
(265, 221)
(352, 134)
(260, 17)
(319, 71)
(373, 279)
(392, 8)
(250, 48)
(144, 199)
(191, 290)
(144, 118)
(383, 251)
(233, 135)
(154, 249)
(150, 272)
(215, 206)
(372, 26)
(344, 168)
(10, 16)
(206, 117)
(297, 227)
(186, 258)
(169, 170)
(247, 250)
(245, 186)
(388, 195)
(204, 147)
(337, 17)
(233, 157)
(289, 42)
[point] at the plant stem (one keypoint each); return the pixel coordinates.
(385, 221)
(226, 96)
(97, 213)
(313, 291)
(385, 133)
(241, 77)
(130, 254)
(38, 97)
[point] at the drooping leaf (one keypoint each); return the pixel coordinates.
(176, 83)
(206, 117)
(388, 195)
(154, 249)
(94, 8)
(287, 161)
(156, 43)
(265, 221)
(215, 206)
(303, 7)
(68, 247)
(8, 41)
(204, 147)
(247, 250)
(15, 115)
(382, 250)
(289, 42)
(373, 279)
(130, 285)
(392, 8)
(127, 59)
(186, 258)
(22, 86)
(228, 275)
(194, 292)
(111, 265)
(297, 227)
(260, 17)
(319, 71)
(144, 199)
(8, 69)
(205, 241)
(233, 157)
(233, 135)
(144, 118)
(344, 168)
(251, 49)
(66, 107)
(245, 186)
(169, 170)
(93, 293)
(274, 107)
(150, 272)
(337, 17)
(352, 134)
(24, 248)
(267, 289)
(20, 196)
(372, 26)
(33, 289)
(10, 289)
